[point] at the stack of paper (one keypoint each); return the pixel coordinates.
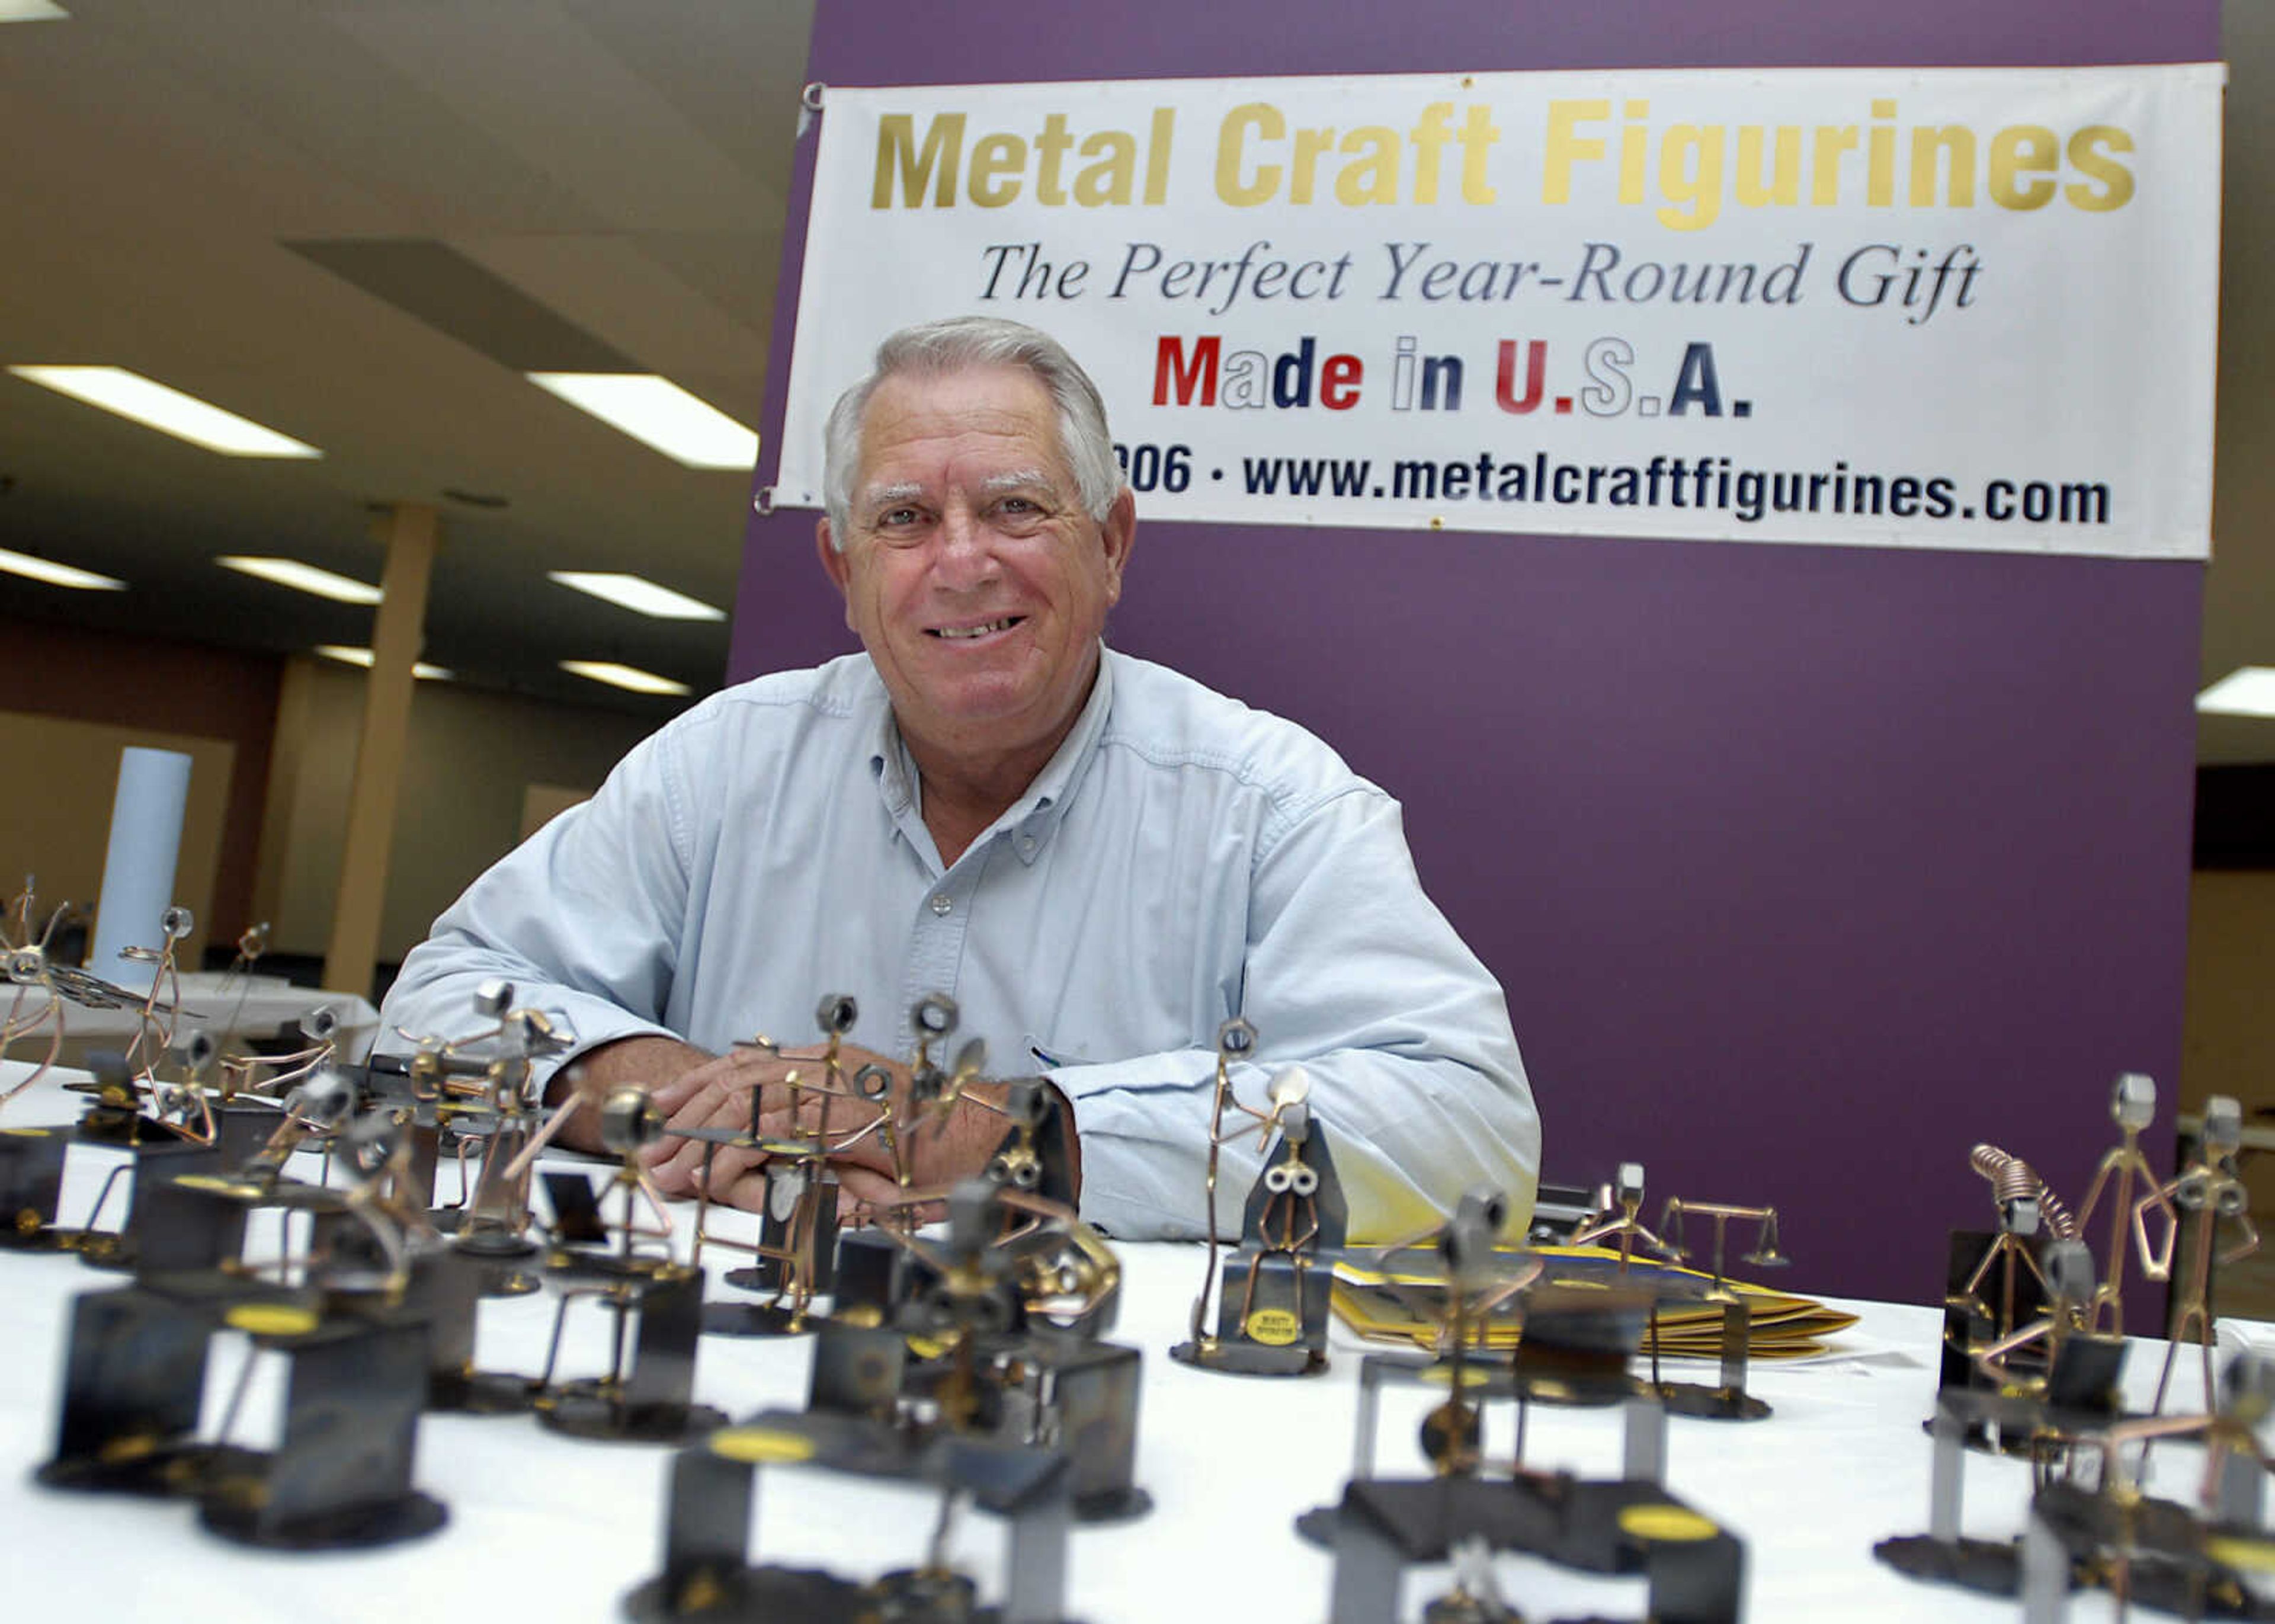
(1402, 1299)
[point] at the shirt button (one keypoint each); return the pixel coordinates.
(1027, 844)
(943, 904)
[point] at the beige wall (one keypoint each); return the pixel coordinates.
(541, 803)
(2229, 1039)
(470, 762)
(55, 823)
(2228, 1045)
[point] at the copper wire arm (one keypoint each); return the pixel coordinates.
(636, 1182)
(519, 1168)
(250, 943)
(283, 1070)
(51, 1016)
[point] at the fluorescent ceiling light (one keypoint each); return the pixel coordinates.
(168, 411)
(623, 676)
(303, 577)
(642, 596)
(55, 574)
(658, 413)
(30, 11)
(2247, 690)
(365, 657)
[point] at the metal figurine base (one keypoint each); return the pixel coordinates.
(134, 1381)
(708, 1574)
(505, 1265)
(354, 1528)
(1729, 1401)
(241, 1129)
(1988, 1568)
(2066, 1549)
(758, 1318)
(1694, 1570)
(1092, 1388)
(2169, 1565)
(1966, 1326)
(32, 1186)
(1943, 1555)
(773, 1272)
(1246, 1358)
(772, 1595)
(159, 1159)
(1082, 1392)
(651, 1401)
(1272, 1318)
(134, 1373)
(870, 1271)
(597, 1410)
(1576, 1352)
(445, 1293)
(340, 1476)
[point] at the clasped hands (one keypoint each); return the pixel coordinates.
(700, 1090)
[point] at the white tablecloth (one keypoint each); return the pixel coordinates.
(215, 1001)
(551, 1528)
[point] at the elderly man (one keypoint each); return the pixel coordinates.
(1100, 860)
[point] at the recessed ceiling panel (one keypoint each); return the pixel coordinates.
(449, 291)
(536, 81)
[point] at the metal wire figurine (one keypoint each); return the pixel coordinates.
(2069, 1290)
(497, 1214)
(2133, 1106)
(2026, 1206)
(28, 970)
(270, 1073)
(1295, 1213)
(1765, 1254)
(1626, 1224)
(153, 1032)
(798, 1222)
(2209, 1191)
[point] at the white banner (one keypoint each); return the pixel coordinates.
(1962, 308)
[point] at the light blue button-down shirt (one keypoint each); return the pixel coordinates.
(1182, 859)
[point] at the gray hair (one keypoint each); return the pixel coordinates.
(938, 347)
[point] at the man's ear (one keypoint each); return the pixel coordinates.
(1118, 534)
(833, 566)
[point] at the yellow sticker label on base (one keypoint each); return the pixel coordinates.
(760, 1446)
(271, 1319)
(1668, 1524)
(1275, 1327)
(2241, 1552)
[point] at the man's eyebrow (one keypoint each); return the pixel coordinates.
(1017, 479)
(885, 495)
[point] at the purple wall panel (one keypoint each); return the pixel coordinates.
(1804, 867)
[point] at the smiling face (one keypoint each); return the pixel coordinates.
(976, 580)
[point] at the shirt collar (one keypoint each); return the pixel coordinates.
(1031, 820)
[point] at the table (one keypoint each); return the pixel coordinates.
(557, 1529)
(223, 1004)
